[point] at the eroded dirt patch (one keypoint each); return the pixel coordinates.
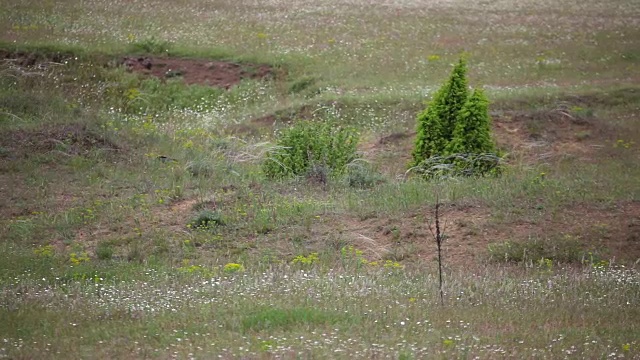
(548, 134)
(223, 74)
(613, 231)
(197, 71)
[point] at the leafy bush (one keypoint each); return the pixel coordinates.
(472, 132)
(307, 146)
(454, 131)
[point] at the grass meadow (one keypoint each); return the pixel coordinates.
(136, 220)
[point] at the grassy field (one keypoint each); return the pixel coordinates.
(107, 174)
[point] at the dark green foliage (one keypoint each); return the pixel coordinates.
(472, 133)
(307, 146)
(454, 98)
(454, 132)
(437, 123)
(472, 138)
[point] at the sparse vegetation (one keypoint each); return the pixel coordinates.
(206, 219)
(361, 175)
(104, 251)
(143, 215)
(564, 250)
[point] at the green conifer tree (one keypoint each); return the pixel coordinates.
(437, 122)
(428, 139)
(457, 92)
(472, 133)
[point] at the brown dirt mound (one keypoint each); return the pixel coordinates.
(197, 71)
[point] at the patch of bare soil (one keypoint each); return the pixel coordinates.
(410, 237)
(171, 219)
(71, 139)
(222, 74)
(615, 228)
(265, 124)
(613, 231)
(549, 134)
(394, 138)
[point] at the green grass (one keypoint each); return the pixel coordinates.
(270, 319)
(136, 220)
(321, 313)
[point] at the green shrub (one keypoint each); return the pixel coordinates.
(454, 132)
(309, 147)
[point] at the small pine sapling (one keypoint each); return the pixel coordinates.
(454, 132)
(472, 133)
(472, 137)
(456, 95)
(437, 122)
